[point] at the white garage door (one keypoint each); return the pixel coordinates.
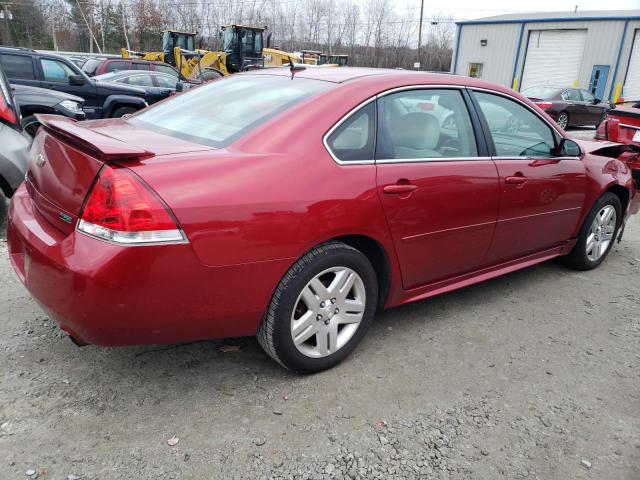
(631, 90)
(553, 57)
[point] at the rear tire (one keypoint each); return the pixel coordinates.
(209, 75)
(563, 120)
(119, 112)
(597, 234)
(327, 301)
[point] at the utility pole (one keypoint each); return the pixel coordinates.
(417, 64)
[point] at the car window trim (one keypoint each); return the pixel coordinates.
(337, 125)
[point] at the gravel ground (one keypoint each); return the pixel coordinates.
(532, 375)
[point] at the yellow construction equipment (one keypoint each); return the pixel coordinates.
(242, 50)
(315, 57)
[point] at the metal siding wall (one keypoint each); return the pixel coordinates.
(497, 57)
(626, 51)
(601, 48)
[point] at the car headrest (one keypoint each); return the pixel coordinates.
(417, 130)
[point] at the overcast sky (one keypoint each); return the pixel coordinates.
(467, 9)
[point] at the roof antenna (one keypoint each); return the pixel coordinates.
(293, 68)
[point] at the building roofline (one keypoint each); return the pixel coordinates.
(554, 17)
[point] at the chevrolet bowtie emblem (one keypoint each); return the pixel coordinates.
(40, 161)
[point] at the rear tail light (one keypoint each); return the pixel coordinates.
(601, 131)
(120, 208)
(7, 113)
(544, 105)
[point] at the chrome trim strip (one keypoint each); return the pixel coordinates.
(515, 157)
(337, 125)
(419, 87)
(626, 125)
(510, 97)
(432, 159)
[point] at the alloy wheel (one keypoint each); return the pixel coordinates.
(563, 120)
(328, 312)
(601, 233)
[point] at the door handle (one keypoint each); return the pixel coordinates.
(399, 188)
(516, 180)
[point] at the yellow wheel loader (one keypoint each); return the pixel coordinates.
(242, 50)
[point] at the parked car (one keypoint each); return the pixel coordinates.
(157, 86)
(24, 66)
(14, 154)
(293, 207)
(99, 66)
(621, 125)
(569, 107)
(34, 100)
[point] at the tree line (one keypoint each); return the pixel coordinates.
(373, 33)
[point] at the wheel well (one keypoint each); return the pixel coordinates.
(5, 187)
(622, 193)
(33, 110)
(378, 258)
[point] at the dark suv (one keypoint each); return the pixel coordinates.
(24, 66)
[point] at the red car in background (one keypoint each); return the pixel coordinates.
(621, 125)
(293, 205)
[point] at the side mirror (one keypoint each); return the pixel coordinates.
(567, 148)
(76, 80)
(596, 101)
(179, 87)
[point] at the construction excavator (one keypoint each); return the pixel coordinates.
(243, 49)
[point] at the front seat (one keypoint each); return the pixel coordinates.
(415, 135)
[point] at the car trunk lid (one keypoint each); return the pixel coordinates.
(65, 160)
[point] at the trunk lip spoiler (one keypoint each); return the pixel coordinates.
(103, 147)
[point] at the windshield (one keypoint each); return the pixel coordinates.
(540, 92)
(218, 113)
(91, 65)
(170, 40)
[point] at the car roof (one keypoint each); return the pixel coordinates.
(328, 74)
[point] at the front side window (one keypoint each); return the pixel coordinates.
(427, 123)
(242, 103)
(516, 131)
(572, 95)
(55, 71)
(587, 97)
(165, 81)
(354, 139)
(475, 70)
(167, 70)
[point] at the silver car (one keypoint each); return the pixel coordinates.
(14, 153)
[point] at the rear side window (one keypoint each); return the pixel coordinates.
(424, 124)
(17, 66)
(354, 139)
(220, 112)
(141, 80)
(117, 65)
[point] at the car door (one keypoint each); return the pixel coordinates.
(594, 109)
(575, 106)
(541, 195)
(438, 188)
(19, 69)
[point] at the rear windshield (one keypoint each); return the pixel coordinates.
(540, 92)
(218, 113)
(91, 65)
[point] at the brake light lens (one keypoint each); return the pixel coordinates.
(7, 113)
(544, 105)
(120, 208)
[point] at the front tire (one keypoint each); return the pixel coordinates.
(597, 234)
(321, 309)
(3, 210)
(120, 112)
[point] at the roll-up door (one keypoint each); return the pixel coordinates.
(631, 90)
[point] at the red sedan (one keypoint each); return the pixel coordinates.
(621, 125)
(293, 206)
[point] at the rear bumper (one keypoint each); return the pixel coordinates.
(112, 295)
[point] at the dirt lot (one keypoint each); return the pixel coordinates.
(533, 375)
